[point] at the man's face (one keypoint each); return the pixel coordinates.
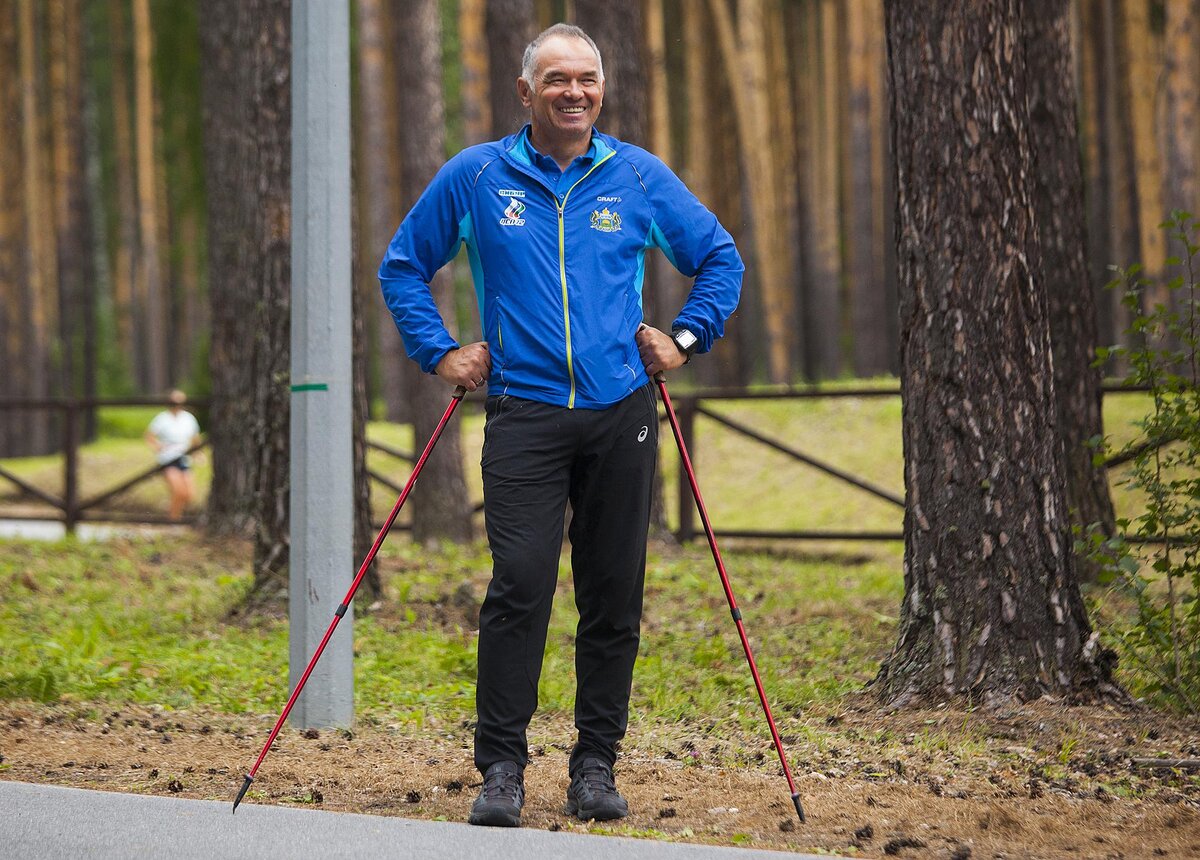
(566, 89)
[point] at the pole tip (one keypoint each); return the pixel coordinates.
(249, 779)
(799, 808)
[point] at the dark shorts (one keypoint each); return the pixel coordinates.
(181, 463)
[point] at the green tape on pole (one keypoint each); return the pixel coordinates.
(311, 386)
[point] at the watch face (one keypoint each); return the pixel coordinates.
(685, 339)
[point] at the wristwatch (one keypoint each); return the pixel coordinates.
(685, 341)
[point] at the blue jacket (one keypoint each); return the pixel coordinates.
(558, 274)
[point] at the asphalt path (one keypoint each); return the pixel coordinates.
(41, 822)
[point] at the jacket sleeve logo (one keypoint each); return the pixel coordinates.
(512, 214)
(605, 221)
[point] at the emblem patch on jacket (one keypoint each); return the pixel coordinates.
(605, 221)
(512, 215)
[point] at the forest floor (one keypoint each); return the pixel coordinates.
(1035, 781)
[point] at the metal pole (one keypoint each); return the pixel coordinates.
(322, 552)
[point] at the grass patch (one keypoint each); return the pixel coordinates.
(146, 623)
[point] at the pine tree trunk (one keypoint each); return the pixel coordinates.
(72, 206)
(699, 150)
(992, 609)
(668, 288)
(473, 43)
(377, 171)
(510, 27)
(1144, 80)
(823, 320)
(125, 305)
(440, 506)
(1122, 209)
(865, 240)
(40, 276)
(247, 141)
(364, 532)
(1059, 211)
(616, 28)
(1182, 143)
(1093, 122)
(149, 258)
(14, 331)
(743, 55)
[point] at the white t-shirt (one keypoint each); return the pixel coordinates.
(174, 433)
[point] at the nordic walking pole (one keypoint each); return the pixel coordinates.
(733, 608)
(341, 610)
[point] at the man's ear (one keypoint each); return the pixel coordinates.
(525, 92)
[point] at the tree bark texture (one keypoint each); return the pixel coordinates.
(1059, 213)
(1182, 127)
(823, 331)
(869, 306)
(39, 266)
(72, 207)
(616, 27)
(743, 51)
(473, 42)
(247, 143)
(510, 27)
(149, 277)
(14, 325)
(129, 322)
(1095, 145)
(440, 506)
(992, 608)
(377, 172)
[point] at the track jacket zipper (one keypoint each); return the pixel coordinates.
(562, 272)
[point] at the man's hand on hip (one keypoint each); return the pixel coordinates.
(468, 366)
(658, 350)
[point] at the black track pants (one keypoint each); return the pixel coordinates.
(535, 458)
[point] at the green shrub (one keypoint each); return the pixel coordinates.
(1162, 579)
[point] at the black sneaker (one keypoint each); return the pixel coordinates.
(500, 800)
(593, 795)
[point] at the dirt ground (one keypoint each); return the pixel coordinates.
(1037, 781)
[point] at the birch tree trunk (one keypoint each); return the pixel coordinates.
(992, 609)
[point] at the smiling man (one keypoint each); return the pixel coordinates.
(557, 220)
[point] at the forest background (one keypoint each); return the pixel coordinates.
(105, 208)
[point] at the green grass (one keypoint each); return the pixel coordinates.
(147, 622)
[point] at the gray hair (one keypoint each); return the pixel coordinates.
(570, 31)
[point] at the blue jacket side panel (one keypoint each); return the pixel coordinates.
(427, 239)
(695, 243)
